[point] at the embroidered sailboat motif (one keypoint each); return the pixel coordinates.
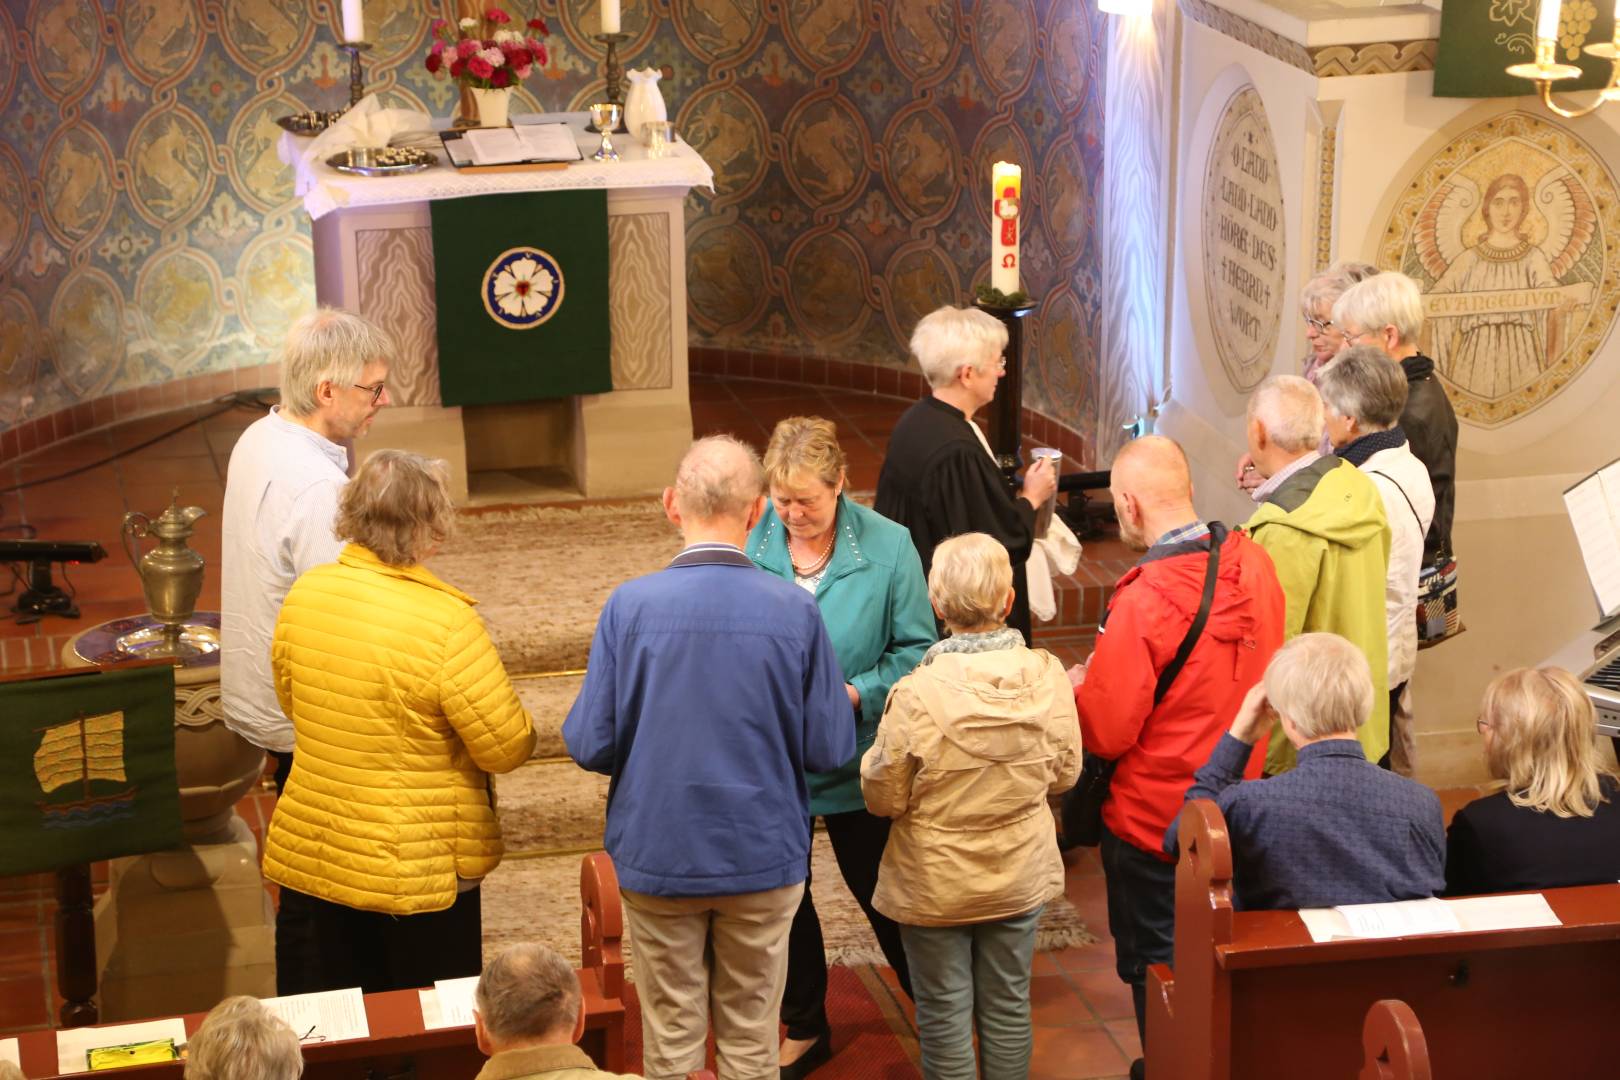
(80, 751)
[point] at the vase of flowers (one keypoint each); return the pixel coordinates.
(488, 57)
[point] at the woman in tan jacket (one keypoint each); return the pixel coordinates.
(970, 746)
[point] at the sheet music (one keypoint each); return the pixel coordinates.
(11, 1051)
(549, 142)
(449, 1004)
(1512, 912)
(530, 142)
(1594, 512)
(73, 1045)
(494, 146)
(329, 1016)
(1399, 919)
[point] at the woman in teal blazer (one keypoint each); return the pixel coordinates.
(868, 581)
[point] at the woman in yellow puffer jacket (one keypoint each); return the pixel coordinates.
(400, 710)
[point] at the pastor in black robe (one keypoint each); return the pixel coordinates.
(939, 481)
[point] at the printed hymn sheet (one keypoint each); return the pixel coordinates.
(1594, 511)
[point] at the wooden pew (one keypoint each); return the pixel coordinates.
(400, 1046)
(1392, 1040)
(601, 958)
(1252, 997)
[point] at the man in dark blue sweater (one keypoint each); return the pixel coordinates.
(1335, 829)
(712, 689)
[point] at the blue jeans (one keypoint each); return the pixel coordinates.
(967, 977)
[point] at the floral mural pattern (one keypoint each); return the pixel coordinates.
(148, 230)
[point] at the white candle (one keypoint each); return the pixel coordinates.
(610, 16)
(354, 25)
(1547, 20)
(1006, 188)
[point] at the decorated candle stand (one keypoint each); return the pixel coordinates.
(1007, 301)
(612, 73)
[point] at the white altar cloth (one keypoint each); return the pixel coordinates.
(324, 189)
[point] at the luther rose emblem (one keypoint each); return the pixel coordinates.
(522, 288)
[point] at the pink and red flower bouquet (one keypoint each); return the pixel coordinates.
(487, 53)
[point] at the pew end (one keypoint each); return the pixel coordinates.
(1253, 997)
(1392, 1040)
(601, 957)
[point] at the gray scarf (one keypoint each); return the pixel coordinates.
(989, 641)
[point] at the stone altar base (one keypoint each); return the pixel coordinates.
(177, 931)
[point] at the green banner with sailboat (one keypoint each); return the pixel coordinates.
(87, 768)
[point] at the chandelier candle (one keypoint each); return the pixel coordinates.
(610, 16)
(1006, 189)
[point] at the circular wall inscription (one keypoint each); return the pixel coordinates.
(1243, 228)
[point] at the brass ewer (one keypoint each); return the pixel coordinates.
(171, 573)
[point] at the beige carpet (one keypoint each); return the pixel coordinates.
(541, 573)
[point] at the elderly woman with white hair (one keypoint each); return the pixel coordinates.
(1335, 829)
(1363, 395)
(240, 1039)
(939, 477)
(1556, 821)
(401, 709)
(1386, 310)
(1322, 335)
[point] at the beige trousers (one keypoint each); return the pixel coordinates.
(700, 957)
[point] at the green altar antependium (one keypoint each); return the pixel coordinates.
(87, 768)
(1480, 38)
(521, 282)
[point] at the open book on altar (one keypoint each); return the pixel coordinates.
(522, 146)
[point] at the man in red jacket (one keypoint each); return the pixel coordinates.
(1159, 746)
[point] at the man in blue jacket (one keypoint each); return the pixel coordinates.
(711, 690)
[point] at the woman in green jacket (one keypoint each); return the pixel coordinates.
(868, 582)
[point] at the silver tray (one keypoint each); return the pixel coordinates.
(380, 161)
(309, 123)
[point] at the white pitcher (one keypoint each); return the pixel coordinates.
(644, 103)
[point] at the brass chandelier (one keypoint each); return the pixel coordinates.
(1545, 71)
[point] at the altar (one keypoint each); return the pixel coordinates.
(374, 255)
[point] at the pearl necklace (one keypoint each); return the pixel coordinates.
(821, 560)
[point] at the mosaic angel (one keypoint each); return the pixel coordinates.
(1502, 306)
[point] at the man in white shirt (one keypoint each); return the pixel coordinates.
(1364, 395)
(281, 496)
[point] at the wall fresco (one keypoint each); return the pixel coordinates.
(1510, 230)
(148, 231)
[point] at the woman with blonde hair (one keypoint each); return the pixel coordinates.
(868, 583)
(400, 710)
(1556, 821)
(970, 746)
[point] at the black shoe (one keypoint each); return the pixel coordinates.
(1138, 1069)
(819, 1054)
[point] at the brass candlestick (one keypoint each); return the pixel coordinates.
(357, 85)
(611, 74)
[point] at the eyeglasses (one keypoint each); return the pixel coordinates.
(1321, 326)
(1481, 725)
(375, 391)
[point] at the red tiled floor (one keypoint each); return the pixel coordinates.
(1080, 1051)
